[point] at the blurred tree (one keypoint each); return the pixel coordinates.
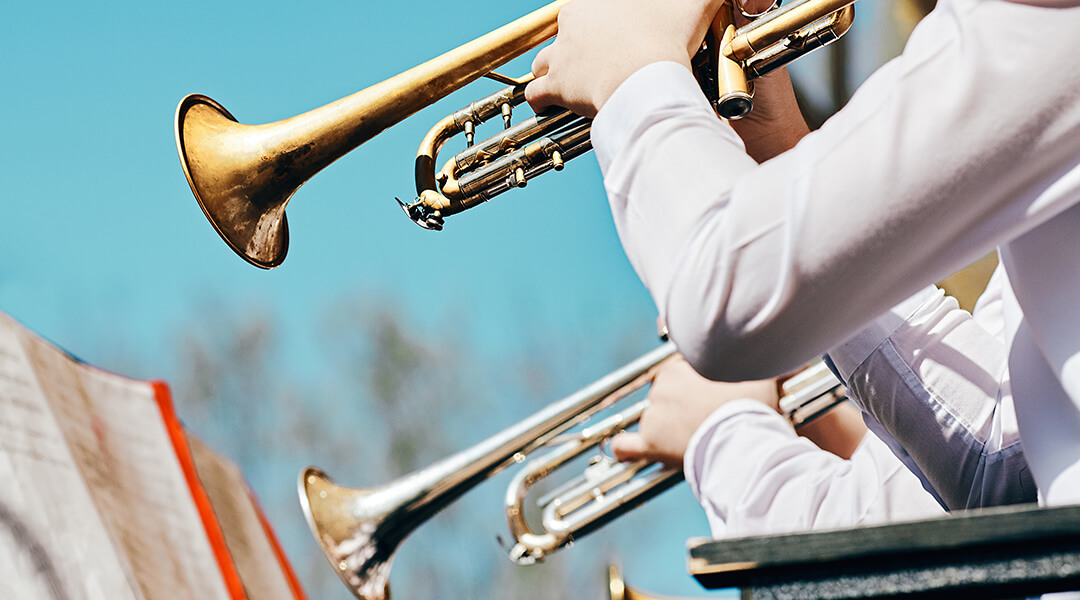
(389, 402)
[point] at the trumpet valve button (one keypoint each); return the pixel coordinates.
(470, 131)
(507, 110)
(557, 161)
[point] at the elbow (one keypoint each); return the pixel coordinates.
(716, 360)
(733, 327)
(724, 353)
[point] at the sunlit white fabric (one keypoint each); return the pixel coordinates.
(938, 382)
(968, 141)
(754, 476)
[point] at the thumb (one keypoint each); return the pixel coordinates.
(629, 445)
(538, 94)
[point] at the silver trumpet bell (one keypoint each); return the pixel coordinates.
(359, 529)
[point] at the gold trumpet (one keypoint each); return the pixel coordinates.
(360, 529)
(244, 175)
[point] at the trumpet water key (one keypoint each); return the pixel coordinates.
(243, 176)
(359, 529)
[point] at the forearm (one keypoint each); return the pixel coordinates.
(754, 476)
(840, 430)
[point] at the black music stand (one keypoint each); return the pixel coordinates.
(1005, 552)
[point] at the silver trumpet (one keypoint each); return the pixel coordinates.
(360, 529)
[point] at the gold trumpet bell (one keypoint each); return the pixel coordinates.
(351, 545)
(241, 185)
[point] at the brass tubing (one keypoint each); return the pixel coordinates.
(733, 100)
(821, 33)
(732, 57)
(365, 114)
(244, 175)
(776, 25)
(487, 181)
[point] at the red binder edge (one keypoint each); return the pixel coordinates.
(202, 501)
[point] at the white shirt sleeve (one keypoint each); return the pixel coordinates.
(961, 143)
(938, 384)
(754, 476)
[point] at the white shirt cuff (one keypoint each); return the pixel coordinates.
(693, 460)
(848, 356)
(657, 86)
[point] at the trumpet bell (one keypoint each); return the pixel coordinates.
(241, 189)
(349, 543)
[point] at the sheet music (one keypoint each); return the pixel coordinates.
(113, 439)
(53, 543)
(248, 541)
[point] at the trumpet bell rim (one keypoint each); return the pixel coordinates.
(326, 508)
(320, 502)
(259, 236)
(309, 481)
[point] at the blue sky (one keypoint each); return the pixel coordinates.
(105, 235)
(104, 250)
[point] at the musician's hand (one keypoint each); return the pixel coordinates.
(602, 42)
(679, 402)
(776, 124)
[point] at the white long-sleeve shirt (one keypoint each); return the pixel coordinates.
(754, 476)
(934, 378)
(970, 140)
